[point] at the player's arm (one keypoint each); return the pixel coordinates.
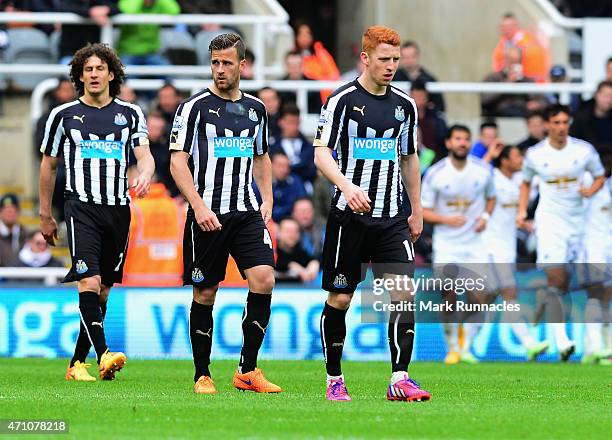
(521, 216)
(481, 224)
(595, 167)
(50, 148)
(262, 173)
(262, 169)
(489, 193)
(428, 198)
(410, 169)
(48, 225)
(179, 168)
(328, 134)
(181, 143)
(146, 167)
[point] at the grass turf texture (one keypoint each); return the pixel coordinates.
(154, 399)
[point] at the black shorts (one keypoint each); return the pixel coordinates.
(98, 239)
(243, 235)
(352, 241)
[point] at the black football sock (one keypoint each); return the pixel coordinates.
(200, 332)
(401, 338)
(255, 318)
(83, 345)
(333, 332)
(91, 319)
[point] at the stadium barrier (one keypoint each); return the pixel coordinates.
(154, 324)
(265, 29)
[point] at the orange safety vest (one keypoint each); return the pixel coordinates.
(535, 62)
(155, 251)
(321, 65)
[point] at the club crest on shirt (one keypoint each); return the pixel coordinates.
(178, 123)
(399, 113)
(197, 276)
(81, 267)
(340, 281)
(120, 119)
(253, 115)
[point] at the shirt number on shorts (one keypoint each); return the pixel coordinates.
(266, 238)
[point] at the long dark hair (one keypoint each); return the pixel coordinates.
(106, 54)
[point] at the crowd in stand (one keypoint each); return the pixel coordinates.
(302, 196)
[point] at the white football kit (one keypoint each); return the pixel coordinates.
(449, 191)
(559, 217)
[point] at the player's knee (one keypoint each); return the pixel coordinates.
(104, 293)
(90, 284)
(205, 295)
(261, 280)
(340, 301)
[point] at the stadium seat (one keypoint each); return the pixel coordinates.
(178, 47)
(28, 46)
(54, 40)
(202, 41)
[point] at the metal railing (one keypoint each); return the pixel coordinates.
(265, 27)
(49, 275)
(301, 89)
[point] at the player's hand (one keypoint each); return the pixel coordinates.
(142, 185)
(99, 14)
(585, 192)
(266, 211)
(48, 228)
(207, 220)
(357, 199)
(415, 224)
(481, 224)
(455, 221)
(520, 220)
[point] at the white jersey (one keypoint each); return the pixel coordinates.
(500, 233)
(449, 191)
(598, 225)
(560, 172)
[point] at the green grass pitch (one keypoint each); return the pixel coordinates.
(154, 399)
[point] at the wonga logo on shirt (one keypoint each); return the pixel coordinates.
(101, 149)
(373, 148)
(233, 146)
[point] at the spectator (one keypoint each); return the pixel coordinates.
(75, 36)
(294, 66)
(293, 263)
(534, 61)
(64, 92)
(322, 195)
(609, 69)
(410, 69)
(286, 187)
(36, 253)
(318, 62)
(500, 104)
(488, 146)
(272, 102)
(536, 131)
(207, 7)
(127, 94)
(311, 228)
(427, 156)
(558, 74)
(431, 121)
(158, 144)
(12, 235)
(249, 65)
(139, 44)
(168, 100)
(593, 122)
(356, 72)
(294, 145)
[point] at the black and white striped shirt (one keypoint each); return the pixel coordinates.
(370, 133)
(96, 145)
(222, 136)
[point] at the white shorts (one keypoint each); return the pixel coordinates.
(501, 272)
(596, 261)
(469, 263)
(557, 242)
